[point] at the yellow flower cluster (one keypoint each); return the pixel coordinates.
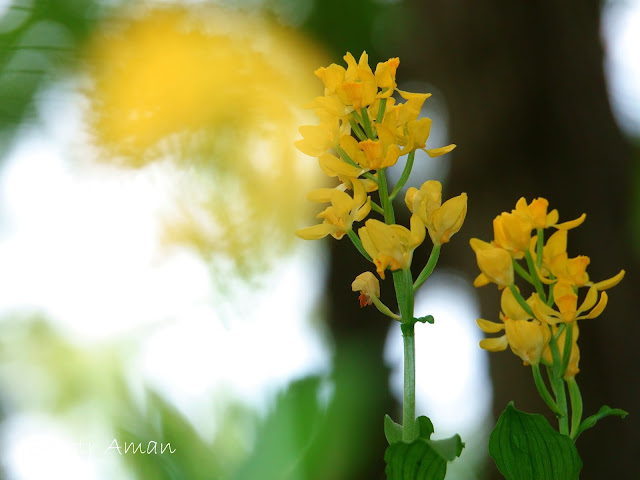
(531, 324)
(362, 132)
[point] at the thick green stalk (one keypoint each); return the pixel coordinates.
(403, 284)
(409, 433)
(381, 108)
(366, 123)
(389, 216)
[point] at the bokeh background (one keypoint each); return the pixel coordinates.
(151, 288)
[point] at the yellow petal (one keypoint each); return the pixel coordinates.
(589, 300)
(494, 344)
(334, 167)
(610, 282)
(599, 308)
(314, 233)
(481, 280)
(489, 327)
(511, 308)
(545, 313)
(436, 152)
(572, 223)
(321, 195)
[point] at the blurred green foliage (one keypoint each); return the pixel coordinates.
(38, 39)
(313, 430)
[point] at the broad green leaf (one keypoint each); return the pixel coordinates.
(392, 430)
(422, 459)
(605, 411)
(525, 447)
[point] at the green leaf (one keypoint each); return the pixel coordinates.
(449, 448)
(525, 447)
(425, 427)
(422, 459)
(392, 430)
(426, 319)
(605, 411)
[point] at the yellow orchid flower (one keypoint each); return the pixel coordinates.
(329, 108)
(495, 263)
(352, 148)
(359, 87)
(536, 212)
(336, 167)
(566, 301)
(526, 336)
(381, 153)
(414, 135)
(332, 77)
(391, 245)
(513, 233)
(339, 217)
(386, 77)
(442, 220)
(318, 139)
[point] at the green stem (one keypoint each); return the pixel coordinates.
(381, 108)
(550, 299)
(387, 208)
(543, 391)
(405, 175)
(561, 395)
(345, 156)
(566, 352)
(576, 406)
(522, 272)
(521, 300)
(409, 396)
(428, 268)
(357, 130)
(358, 244)
(366, 123)
(539, 244)
(376, 208)
(534, 275)
(357, 116)
(384, 309)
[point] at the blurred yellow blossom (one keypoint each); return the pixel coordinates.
(212, 96)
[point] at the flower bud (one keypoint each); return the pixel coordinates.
(367, 284)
